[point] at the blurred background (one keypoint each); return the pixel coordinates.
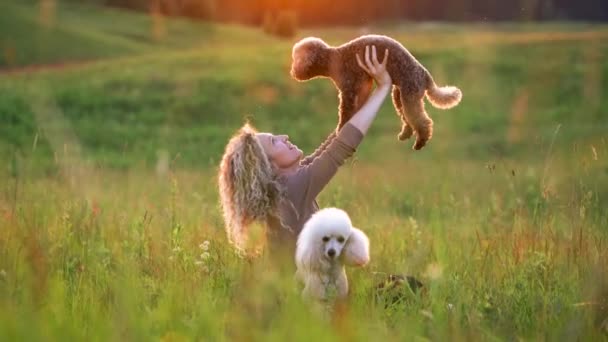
(114, 115)
(132, 80)
(340, 12)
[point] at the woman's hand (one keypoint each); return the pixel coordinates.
(363, 118)
(374, 68)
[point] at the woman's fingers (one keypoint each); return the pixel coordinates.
(375, 55)
(362, 65)
(372, 66)
(367, 61)
(385, 57)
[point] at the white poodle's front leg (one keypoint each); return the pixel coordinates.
(300, 276)
(315, 287)
(342, 284)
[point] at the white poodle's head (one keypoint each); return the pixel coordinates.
(325, 234)
(328, 237)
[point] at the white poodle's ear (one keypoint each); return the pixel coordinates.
(356, 251)
(307, 253)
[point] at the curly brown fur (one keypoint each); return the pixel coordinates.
(312, 58)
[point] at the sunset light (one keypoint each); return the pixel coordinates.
(306, 170)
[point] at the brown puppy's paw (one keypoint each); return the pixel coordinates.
(423, 134)
(405, 133)
(420, 143)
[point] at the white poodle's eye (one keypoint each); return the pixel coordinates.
(341, 239)
(325, 238)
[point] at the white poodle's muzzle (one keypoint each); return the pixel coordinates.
(333, 249)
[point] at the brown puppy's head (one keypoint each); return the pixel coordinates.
(310, 58)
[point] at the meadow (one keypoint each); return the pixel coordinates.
(112, 125)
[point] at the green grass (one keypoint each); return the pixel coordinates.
(502, 215)
(72, 33)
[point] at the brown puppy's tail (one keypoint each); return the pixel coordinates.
(442, 97)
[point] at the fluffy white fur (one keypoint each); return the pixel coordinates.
(327, 242)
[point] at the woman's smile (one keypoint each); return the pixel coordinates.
(280, 150)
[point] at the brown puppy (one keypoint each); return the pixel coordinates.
(312, 57)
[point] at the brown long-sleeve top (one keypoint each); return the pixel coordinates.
(303, 185)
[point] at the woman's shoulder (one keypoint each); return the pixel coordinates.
(295, 178)
(297, 182)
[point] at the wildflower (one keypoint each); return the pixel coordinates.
(413, 223)
(204, 246)
(594, 152)
(415, 232)
(95, 209)
(205, 256)
(450, 306)
(434, 271)
(198, 263)
(427, 314)
(177, 249)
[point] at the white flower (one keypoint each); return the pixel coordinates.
(205, 256)
(177, 249)
(427, 314)
(198, 263)
(450, 306)
(413, 223)
(204, 246)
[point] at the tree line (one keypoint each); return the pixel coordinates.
(340, 12)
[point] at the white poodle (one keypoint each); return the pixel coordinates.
(327, 242)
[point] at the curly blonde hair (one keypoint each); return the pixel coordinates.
(249, 186)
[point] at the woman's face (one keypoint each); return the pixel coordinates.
(282, 153)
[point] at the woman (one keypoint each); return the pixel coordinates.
(263, 178)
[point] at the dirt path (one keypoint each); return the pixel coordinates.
(34, 68)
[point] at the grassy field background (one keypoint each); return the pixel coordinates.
(112, 125)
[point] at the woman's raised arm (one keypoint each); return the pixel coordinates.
(312, 178)
(363, 118)
(309, 158)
